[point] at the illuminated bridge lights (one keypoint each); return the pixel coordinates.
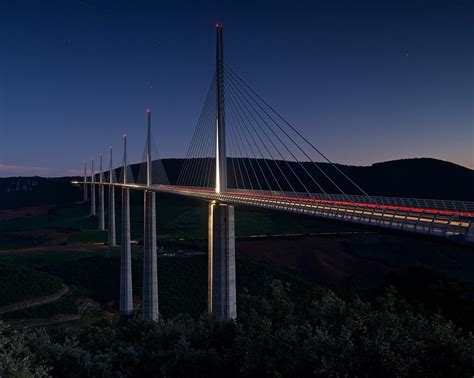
(416, 219)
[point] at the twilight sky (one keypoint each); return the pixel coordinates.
(366, 81)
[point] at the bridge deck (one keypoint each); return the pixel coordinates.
(448, 218)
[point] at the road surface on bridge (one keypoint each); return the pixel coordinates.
(446, 220)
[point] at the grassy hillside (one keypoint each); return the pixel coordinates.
(19, 283)
(177, 218)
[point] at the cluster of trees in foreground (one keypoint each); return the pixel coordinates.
(275, 336)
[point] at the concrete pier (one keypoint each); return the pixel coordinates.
(126, 298)
(93, 207)
(221, 262)
(85, 190)
(150, 273)
(112, 240)
(101, 208)
(101, 199)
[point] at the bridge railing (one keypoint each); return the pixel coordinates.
(438, 224)
(400, 216)
(449, 205)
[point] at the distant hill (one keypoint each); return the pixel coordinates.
(416, 178)
(27, 191)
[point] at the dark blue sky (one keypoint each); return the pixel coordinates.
(366, 81)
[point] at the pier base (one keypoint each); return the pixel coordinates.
(221, 262)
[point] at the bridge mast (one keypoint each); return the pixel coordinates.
(148, 149)
(221, 233)
(221, 164)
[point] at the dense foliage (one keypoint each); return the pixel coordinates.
(427, 291)
(20, 283)
(320, 336)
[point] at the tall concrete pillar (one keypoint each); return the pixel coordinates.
(221, 242)
(126, 297)
(93, 207)
(111, 211)
(150, 271)
(221, 261)
(101, 198)
(85, 190)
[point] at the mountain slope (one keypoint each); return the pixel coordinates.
(416, 178)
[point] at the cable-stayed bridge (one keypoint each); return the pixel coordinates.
(243, 152)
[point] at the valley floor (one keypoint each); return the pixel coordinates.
(351, 260)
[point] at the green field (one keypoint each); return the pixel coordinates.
(181, 226)
(177, 218)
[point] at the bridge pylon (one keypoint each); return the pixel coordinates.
(221, 224)
(93, 207)
(150, 271)
(126, 298)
